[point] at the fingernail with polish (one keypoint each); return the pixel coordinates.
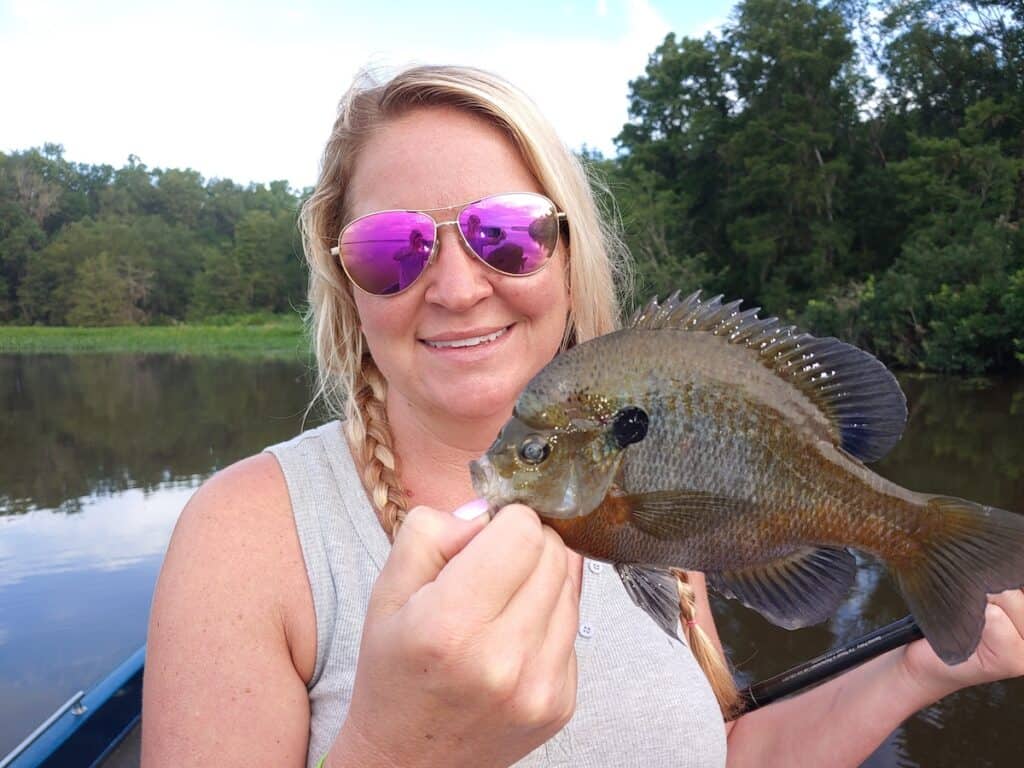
(471, 509)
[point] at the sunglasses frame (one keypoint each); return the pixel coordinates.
(560, 217)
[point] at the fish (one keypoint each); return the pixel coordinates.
(703, 437)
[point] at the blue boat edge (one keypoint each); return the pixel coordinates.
(89, 726)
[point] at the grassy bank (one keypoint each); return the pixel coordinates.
(272, 337)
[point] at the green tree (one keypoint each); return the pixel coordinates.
(175, 253)
(180, 196)
(793, 66)
(101, 294)
(220, 287)
(266, 248)
(51, 277)
(669, 182)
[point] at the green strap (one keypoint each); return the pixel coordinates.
(320, 762)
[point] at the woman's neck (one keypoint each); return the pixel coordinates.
(434, 453)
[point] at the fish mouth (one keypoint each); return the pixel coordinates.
(481, 473)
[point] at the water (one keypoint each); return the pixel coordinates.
(98, 454)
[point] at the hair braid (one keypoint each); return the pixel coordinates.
(370, 434)
(713, 663)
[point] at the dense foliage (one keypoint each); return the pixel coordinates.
(854, 165)
(91, 245)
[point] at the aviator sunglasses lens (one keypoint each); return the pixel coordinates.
(384, 252)
(514, 234)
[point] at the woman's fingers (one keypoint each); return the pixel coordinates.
(560, 642)
(426, 542)
(1001, 650)
(489, 571)
(530, 608)
(1012, 603)
(552, 685)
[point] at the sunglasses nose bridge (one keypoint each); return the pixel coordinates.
(460, 235)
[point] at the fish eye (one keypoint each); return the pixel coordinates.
(534, 450)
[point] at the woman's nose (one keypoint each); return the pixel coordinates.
(457, 279)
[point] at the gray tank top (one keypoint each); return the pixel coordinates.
(642, 700)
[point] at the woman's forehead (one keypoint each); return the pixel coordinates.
(433, 158)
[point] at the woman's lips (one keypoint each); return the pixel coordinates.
(464, 340)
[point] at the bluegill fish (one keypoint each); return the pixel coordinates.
(702, 437)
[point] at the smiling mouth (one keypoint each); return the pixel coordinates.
(473, 341)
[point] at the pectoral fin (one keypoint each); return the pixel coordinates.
(654, 590)
(803, 588)
(676, 514)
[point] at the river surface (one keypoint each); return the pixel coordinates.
(99, 453)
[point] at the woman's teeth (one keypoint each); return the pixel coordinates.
(471, 342)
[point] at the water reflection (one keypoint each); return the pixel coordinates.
(110, 533)
(75, 426)
(98, 455)
(75, 591)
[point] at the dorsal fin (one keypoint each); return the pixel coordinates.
(855, 391)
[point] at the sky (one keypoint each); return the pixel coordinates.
(248, 90)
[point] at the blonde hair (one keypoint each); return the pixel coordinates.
(348, 381)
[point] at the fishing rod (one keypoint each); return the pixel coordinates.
(820, 668)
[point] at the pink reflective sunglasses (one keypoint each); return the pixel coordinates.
(385, 252)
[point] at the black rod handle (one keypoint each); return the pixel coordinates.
(828, 665)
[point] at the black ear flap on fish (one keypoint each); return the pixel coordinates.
(629, 426)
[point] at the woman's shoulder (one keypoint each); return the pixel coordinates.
(248, 498)
(235, 545)
(238, 527)
(232, 620)
(314, 457)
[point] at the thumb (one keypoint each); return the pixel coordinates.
(425, 543)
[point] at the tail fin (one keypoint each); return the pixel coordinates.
(974, 550)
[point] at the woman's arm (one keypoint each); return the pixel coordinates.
(842, 721)
(232, 630)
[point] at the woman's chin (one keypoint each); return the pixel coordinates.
(480, 408)
(478, 402)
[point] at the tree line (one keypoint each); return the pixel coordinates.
(856, 166)
(93, 245)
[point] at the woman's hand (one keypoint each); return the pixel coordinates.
(467, 655)
(999, 655)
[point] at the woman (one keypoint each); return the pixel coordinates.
(287, 629)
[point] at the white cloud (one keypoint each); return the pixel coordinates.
(181, 85)
(110, 533)
(249, 92)
(579, 82)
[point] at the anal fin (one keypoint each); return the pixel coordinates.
(805, 587)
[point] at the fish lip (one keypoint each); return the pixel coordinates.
(481, 474)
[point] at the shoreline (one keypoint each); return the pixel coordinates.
(283, 337)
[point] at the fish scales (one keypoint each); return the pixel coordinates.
(717, 425)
